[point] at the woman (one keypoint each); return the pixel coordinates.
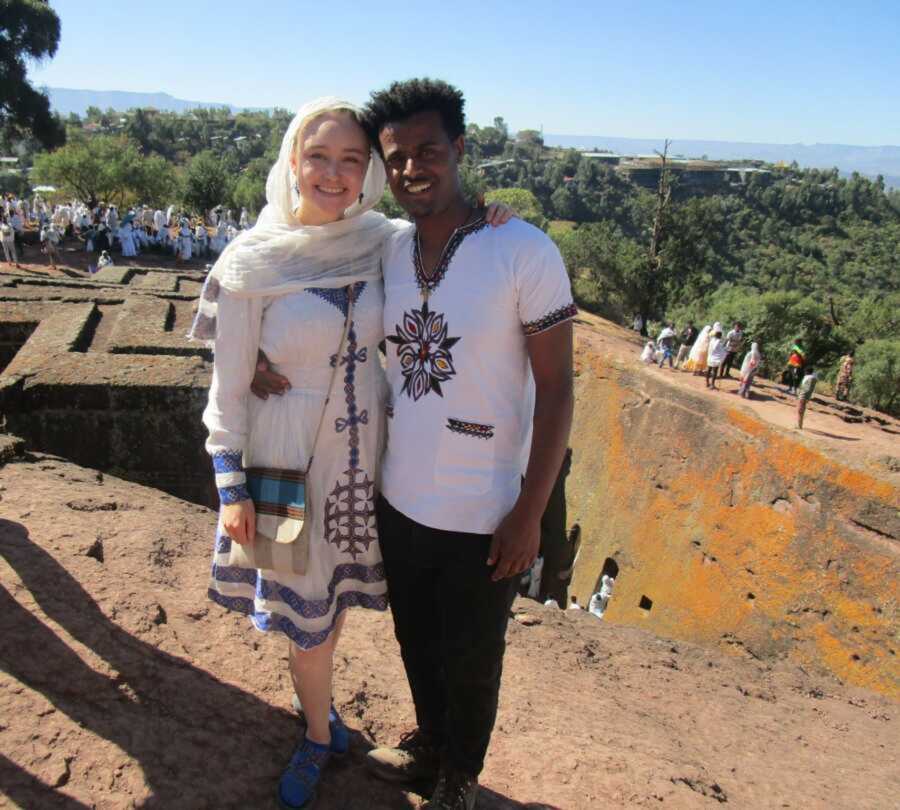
(715, 355)
(696, 361)
(286, 286)
(748, 369)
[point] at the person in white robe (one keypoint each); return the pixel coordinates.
(245, 220)
(126, 239)
(159, 222)
(185, 241)
(8, 240)
(599, 600)
(697, 357)
(201, 239)
(287, 287)
(50, 240)
(220, 239)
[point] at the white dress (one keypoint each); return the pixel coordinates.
(300, 333)
(185, 242)
(126, 237)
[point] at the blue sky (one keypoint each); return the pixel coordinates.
(784, 72)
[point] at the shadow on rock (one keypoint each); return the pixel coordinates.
(198, 741)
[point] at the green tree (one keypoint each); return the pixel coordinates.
(876, 378)
(606, 267)
(250, 188)
(523, 202)
(29, 29)
(154, 182)
(208, 181)
(94, 169)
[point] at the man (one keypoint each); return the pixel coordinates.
(688, 336)
(479, 360)
(666, 342)
(804, 394)
(49, 238)
(734, 341)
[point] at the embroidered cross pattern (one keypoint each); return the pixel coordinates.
(350, 513)
(423, 349)
(350, 507)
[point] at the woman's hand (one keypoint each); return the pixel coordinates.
(496, 213)
(239, 522)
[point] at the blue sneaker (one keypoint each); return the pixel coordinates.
(340, 736)
(297, 786)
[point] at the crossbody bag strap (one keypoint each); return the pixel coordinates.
(337, 363)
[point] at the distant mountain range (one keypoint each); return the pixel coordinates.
(867, 160)
(66, 101)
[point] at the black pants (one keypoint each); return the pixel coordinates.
(450, 620)
(726, 366)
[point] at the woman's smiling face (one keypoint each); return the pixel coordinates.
(330, 163)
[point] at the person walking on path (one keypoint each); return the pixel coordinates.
(697, 358)
(688, 336)
(715, 356)
(804, 394)
(748, 370)
(665, 342)
(734, 341)
(844, 378)
(793, 374)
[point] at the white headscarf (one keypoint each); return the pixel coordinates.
(751, 360)
(701, 344)
(279, 255)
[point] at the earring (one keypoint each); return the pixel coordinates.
(360, 198)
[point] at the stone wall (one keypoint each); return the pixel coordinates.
(104, 376)
(729, 531)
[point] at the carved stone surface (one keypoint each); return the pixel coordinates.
(99, 370)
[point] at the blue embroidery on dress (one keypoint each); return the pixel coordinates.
(349, 524)
(339, 296)
(227, 461)
(234, 494)
(350, 507)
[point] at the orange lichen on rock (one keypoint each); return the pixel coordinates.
(727, 530)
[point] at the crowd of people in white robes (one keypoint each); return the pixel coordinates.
(102, 229)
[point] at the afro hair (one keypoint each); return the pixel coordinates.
(402, 100)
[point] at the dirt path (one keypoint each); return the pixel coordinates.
(874, 443)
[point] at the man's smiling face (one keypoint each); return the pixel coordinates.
(422, 163)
